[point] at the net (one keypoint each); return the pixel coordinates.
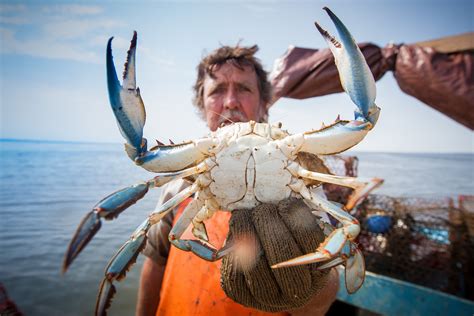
(426, 241)
(419, 240)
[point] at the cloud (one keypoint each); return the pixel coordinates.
(156, 57)
(77, 28)
(12, 8)
(54, 31)
(45, 48)
(15, 20)
(73, 9)
(67, 32)
(260, 9)
(6, 34)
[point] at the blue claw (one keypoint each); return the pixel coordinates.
(117, 268)
(126, 101)
(355, 75)
(200, 248)
(106, 293)
(89, 226)
(125, 257)
(109, 208)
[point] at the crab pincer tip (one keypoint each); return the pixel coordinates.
(320, 29)
(88, 227)
(331, 14)
(328, 10)
(64, 267)
(133, 42)
(109, 47)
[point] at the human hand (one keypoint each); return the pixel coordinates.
(320, 303)
(267, 235)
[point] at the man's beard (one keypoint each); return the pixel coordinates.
(231, 116)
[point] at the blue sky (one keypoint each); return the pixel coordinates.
(52, 65)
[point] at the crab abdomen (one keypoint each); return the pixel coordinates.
(250, 171)
(272, 177)
(229, 175)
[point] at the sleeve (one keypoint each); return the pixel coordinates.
(158, 245)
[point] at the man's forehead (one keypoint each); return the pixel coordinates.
(229, 71)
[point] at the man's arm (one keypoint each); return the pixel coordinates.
(156, 252)
(149, 289)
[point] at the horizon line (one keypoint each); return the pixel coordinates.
(58, 141)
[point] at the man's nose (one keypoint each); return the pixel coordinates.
(231, 100)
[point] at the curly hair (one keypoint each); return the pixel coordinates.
(238, 57)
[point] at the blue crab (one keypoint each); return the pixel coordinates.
(238, 166)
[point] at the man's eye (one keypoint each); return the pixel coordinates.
(245, 89)
(217, 90)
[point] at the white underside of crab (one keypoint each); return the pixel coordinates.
(253, 160)
(252, 165)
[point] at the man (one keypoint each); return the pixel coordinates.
(231, 87)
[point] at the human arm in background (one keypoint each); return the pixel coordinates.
(149, 288)
(156, 252)
(322, 301)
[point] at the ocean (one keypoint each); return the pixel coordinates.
(47, 187)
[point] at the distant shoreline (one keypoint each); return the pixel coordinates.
(355, 152)
(49, 141)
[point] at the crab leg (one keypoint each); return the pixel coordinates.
(111, 206)
(185, 219)
(201, 247)
(196, 212)
(129, 111)
(334, 243)
(341, 259)
(176, 157)
(354, 265)
(127, 255)
(361, 186)
(358, 82)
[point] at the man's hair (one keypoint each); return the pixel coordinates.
(236, 56)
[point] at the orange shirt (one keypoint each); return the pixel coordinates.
(191, 285)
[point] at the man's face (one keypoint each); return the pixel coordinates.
(232, 96)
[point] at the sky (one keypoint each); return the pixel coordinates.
(52, 65)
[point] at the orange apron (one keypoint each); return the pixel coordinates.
(191, 285)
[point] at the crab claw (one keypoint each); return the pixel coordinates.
(355, 75)
(119, 265)
(108, 208)
(353, 260)
(88, 227)
(355, 270)
(126, 101)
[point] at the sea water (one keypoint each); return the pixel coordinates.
(47, 187)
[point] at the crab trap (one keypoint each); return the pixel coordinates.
(417, 251)
(418, 240)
